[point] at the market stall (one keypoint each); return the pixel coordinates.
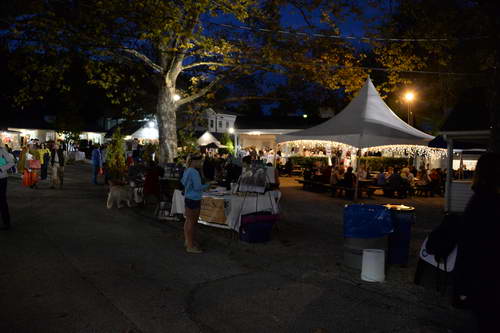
(223, 209)
(11, 138)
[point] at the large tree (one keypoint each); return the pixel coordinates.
(176, 44)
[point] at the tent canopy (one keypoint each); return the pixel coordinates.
(208, 139)
(366, 122)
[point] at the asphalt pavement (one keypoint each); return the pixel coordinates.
(71, 265)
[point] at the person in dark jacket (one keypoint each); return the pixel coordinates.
(476, 282)
(96, 163)
(57, 160)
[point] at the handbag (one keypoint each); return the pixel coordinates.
(34, 164)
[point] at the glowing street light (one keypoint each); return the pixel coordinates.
(304, 116)
(409, 97)
(231, 130)
(177, 97)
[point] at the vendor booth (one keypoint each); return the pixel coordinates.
(250, 207)
(366, 125)
(11, 138)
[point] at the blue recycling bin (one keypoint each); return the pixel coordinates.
(367, 221)
(365, 227)
(403, 217)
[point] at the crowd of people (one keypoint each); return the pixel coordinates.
(395, 181)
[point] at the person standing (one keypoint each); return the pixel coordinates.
(44, 155)
(476, 283)
(96, 163)
(193, 189)
(57, 165)
(6, 162)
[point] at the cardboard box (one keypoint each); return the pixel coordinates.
(212, 210)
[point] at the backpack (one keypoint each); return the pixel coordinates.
(443, 239)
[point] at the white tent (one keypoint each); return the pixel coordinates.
(207, 138)
(366, 122)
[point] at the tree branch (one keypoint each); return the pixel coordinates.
(206, 63)
(144, 59)
(203, 91)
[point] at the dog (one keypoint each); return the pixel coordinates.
(118, 194)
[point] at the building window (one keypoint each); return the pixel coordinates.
(220, 124)
(227, 124)
(211, 124)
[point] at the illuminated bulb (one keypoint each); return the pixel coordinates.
(176, 97)
(409, 96)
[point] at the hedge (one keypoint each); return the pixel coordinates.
(376, 163)
(307, 161)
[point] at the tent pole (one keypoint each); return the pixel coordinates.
(356, 185)
(449, 177)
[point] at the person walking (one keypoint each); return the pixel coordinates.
(193, 189)
(6, 162)
(96, 163)
(476, 282)
(57, 161)
(44, 156)
(32, 166)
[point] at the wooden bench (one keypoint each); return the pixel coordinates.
(313, 185)
(370, 189)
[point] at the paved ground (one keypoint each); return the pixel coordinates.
(71, 265)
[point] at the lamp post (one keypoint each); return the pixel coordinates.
(409, 97)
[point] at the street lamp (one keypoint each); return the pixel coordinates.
(409, 97)
(304, 116)
(176, 97)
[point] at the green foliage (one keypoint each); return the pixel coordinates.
(377, 163)
(307, 161)
(226, 141)
(115, 157)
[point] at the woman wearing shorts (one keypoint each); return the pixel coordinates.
(193, 189)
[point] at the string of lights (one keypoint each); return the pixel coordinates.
(362, 38)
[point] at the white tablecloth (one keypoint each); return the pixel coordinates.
(238, 205)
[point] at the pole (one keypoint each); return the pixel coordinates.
(409, 112)
(449, 177)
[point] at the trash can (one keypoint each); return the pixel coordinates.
(399, 240)
(365, 227)
(373, 266)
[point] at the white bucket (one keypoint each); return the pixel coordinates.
(373, 265)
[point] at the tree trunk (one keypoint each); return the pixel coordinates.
(167, 124)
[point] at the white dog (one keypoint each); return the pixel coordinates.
(118, 194)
